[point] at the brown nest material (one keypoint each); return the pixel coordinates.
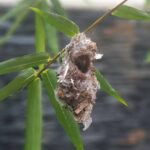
(77, 84)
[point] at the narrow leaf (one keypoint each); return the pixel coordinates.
(127, 12)
(33, 138)
(53, 76)
(51, 32)
(105, 86)
(61, 23)
(39, 34)
(20, 63)
(19, 82)
(64, 116)
(52, 39)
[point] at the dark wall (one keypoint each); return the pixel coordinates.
(124, 45)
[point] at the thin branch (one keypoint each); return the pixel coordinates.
(51, 61)
(100, 19)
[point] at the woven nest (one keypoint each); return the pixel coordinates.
(77, 84)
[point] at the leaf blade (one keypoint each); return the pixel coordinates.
(52, 39)
(63, 115)
(105, 86)
(19, 82)
(34, 116)
(127, 12)
(68, 27)
(51, 32)
(53, 76)
(21, 63)
(39, 34)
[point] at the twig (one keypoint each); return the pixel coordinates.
(51, 61)
(100, 19)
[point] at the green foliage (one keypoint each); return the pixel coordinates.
(52, 39)
(53, 77)
(127, 12)
(22, 80)
(33, 129)
(39, 34)
(61, 23)
(63, 114)
(21, 63)
(51, 32)
(22, 9)
(105, 86)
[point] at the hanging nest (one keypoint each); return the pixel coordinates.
(77, 84)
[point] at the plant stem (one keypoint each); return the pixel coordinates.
(51, 61)
(100, 19)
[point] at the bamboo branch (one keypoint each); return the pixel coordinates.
(101, 19)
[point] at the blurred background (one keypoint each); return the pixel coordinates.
(125, 45)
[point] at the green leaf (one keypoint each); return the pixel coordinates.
(64, 116)
(53, 76)
(33, 138)
(127, 12)
(20, 63)
(57, 7)
(105, 86)
(19, 82)
(61, 23)
(51, 32)
(39, 34)
(147, 60)
(52, 39)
